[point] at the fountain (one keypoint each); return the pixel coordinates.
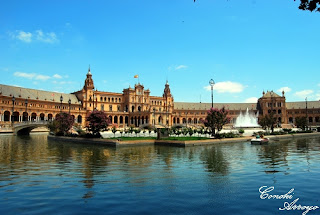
(248, 120)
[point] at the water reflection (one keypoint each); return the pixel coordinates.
(214, 160)
(84, 171)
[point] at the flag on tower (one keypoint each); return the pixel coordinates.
(136, 76)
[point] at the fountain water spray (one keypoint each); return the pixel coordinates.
(248, 120)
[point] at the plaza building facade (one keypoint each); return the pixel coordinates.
(137, 107)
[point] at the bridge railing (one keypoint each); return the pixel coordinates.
(30, 123)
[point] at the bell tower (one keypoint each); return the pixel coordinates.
(168, 103)
(88, 90)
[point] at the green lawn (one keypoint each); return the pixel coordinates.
(132, 138)
(185, 138)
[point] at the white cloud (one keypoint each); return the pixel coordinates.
(227, 87)
(42, 77)
(23, 36)
(285, 89)
(38, 35)
(46, 37)
(24, 75)
(57, 76)
(31, 76)
(251, 100)
(180, 67)
(304, 93)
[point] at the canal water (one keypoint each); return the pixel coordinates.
(40, 176)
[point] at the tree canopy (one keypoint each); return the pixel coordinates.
(98, 121)
(216, 119)
(311, 5)
(62, 124)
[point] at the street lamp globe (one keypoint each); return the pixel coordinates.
(211, 82)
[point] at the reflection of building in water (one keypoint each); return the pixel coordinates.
(136, 106)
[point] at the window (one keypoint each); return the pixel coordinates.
(110, 107)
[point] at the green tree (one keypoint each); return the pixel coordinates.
(216, 119)
(311, 5)
(98, 121)
(62, 124)
(268, 121)
(301, 122)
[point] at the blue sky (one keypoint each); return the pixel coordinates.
(246, 46)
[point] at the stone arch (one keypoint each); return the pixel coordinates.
(184, 121)
(42, 116)
(50, 116)
(16, 116)
(110, 119)
(290, 119)
(115, 119)
(160, 120)
(126, 120)
(25, 116)
(33, 116)
(6, 116)
(195, 121)
(121, 119)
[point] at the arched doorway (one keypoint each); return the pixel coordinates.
(50, 116)
(6, 116)
(42, 116)
(33, 117)
(79, 119)
(16, 116)
(25, 116)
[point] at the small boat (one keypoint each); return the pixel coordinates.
(259, 141)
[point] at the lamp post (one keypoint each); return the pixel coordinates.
(272, 112)
(307, 120)
(79, 111)
(26, 103)
(61, 99)
(154, 119)
(211, 82)
(13, 100)
(69, 105)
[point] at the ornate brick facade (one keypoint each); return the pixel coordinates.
(135, 106)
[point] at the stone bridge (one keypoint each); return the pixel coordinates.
(24, 128)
